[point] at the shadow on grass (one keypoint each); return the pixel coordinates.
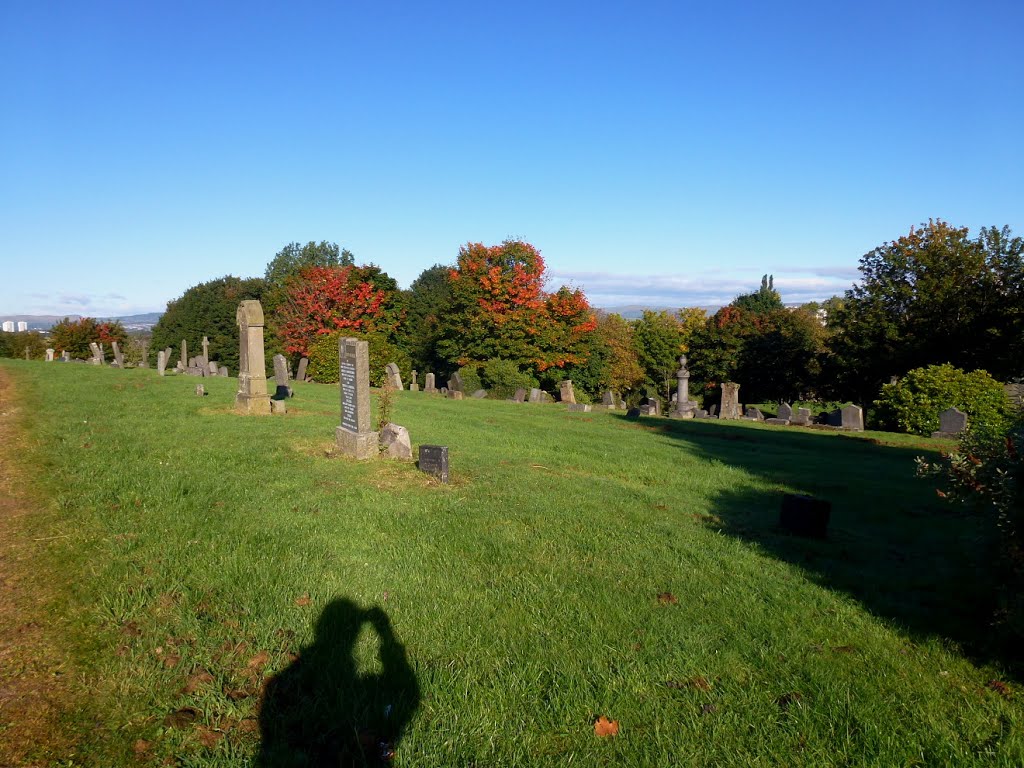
(892, 545)
(319, 712)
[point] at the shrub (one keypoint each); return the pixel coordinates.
(986, 473)
(471, 381)
(913, 403)
(503, 377)
(323, 357)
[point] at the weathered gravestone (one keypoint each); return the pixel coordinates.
(700, 413)
(852, 417)
(223, 371)
(754, 414)
(161, 363)
(777, 422)
(455, 382)
(566, 393)
(167, 356)
(95, 359)
(281, 392)
(952, 422)
(354, 436)
(49, 354)
(206, 353)
(184, 352)
(414, 384)
(394, 376)
(536, 395)
(713, 410)
(805, 516)
(652, 407)
(429, 384)
(785, 411)
(395, 442)
(480, 394)
(434, 461)
(144, 347)
(65, 356)
(834, 418)
(278, 407)
(801, 418)
(118, 356)
(252, 394)
(454, 394)
(519, 396)
(730, 408)
(633, 414)
(609, 399)
(301, 373)
(200, 390)
(214, 368)
(578, 408)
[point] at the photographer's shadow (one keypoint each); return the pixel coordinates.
(319, 712)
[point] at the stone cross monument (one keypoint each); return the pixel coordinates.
(252, 394)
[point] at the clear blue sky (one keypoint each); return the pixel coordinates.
(660, 153)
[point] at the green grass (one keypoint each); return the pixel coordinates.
(501, 614)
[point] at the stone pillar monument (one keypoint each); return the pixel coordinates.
(206, 352)
(184, 355)
(354, 437)
(684, 408)
(252, 394)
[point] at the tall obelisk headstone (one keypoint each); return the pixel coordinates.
(354, 436)
(252, 394)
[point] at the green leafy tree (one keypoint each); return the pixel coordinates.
(323, 357)
(933, 296)
(762, 301)
(74, 336)
(659, 341)
(622, 371)
(14, 345)
(208, 309)
(293, 259)
(427, 301)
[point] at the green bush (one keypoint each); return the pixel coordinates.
(471, 381)
(986, 473)
(323, 357)
(913, 403)
(503, 377)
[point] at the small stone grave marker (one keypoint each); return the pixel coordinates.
(519, 396)
(434, 461)
(301, 374)
(952, 422)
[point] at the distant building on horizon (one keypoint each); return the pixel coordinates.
(22, 325)
(8, 326)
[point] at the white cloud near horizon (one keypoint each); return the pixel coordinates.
(712, 287)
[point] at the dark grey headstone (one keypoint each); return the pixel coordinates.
(713, 409)
(434, 461)
(835, 418)
(805, 516)
(633, 413)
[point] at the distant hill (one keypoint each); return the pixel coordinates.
(44, 322)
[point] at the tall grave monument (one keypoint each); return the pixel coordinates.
(252, 394)
(354, 436)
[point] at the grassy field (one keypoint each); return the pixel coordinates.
(211, 566)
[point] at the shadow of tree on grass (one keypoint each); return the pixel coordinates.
(319, 712)
(892, 544)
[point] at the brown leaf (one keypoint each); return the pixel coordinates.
(698, 682)
(141, 747)
(239, 694)
(604, 727)
(999, 687)
(259, 661)
(248, 725)
(179, 718)
(303, 601)
(131, 629)
(197, 680)
(171, 661)
(208, 737)
(667, 598)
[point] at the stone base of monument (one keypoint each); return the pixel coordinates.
(258, 405)
(777, 422)
(454, 394)
(805, 516)
(278, 406)
(358, 445)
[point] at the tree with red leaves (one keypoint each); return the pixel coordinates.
(499, 310)
(325, 299)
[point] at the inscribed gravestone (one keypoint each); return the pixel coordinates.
(801, 418)
(434, 461)
(852, 417)
(429, 385)
(952, 422)
(252, 394)
(354, 436)
(730, 401)
(785, 412)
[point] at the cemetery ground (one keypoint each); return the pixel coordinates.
(216, 589)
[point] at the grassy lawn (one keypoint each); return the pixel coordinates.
(577, 566)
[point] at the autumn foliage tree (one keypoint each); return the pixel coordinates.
(74, 336)
(326, 299)
(500, 310)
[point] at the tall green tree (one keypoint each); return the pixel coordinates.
(933, 296)
(659, 341)
(208, 309)
(427, 301)
(762, 301)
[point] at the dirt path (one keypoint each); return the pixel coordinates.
(33, 669)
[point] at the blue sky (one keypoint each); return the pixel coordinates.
(663, 153)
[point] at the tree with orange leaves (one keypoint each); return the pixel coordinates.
(325, 299)
(499, 309)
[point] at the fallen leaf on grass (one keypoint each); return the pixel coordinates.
(197, 680)
(142, 747)
(208, 737)
(303, 601)
(239, 694)
(604, 727)
(179, 718)
(698, 682)
(667, 598)
(171, 661)
(131, 629)
(999, 687)
(248, 725)
(259, 661)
